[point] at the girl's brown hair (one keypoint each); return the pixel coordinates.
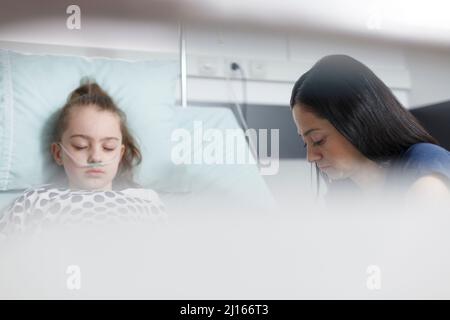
(90, 93)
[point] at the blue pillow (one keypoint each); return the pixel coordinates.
(33, 87)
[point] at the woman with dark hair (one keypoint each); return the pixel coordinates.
(358, 134)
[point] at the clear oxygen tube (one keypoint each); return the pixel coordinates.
(85, 164)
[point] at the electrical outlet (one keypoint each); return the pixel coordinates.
(258, 70)
(235, 74)
(208, 66)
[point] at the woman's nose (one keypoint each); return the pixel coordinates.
(312, 156)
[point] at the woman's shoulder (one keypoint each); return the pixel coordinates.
(425, 151)
(426, 154)
(426, 158)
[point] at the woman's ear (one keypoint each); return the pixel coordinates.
(56, 153)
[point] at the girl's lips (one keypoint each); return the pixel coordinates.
(95, 171)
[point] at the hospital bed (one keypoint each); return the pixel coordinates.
(186, 187)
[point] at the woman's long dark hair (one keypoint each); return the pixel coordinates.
(360, 106)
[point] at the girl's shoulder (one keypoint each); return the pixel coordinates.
(50, 191)
(14, 216)
(35, 195)
(41, 192)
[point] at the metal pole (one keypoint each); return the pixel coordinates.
(183, 71)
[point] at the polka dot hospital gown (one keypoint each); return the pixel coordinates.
(49, 205)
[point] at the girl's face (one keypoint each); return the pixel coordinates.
(91, 136)
(327, 147)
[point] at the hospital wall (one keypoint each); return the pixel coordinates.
(418, 75)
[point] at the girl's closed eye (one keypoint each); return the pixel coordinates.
(79, 147)
(109, 148)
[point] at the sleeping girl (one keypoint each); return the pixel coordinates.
(94, 147)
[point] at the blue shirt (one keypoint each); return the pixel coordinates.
(419, 160)
(422, 159)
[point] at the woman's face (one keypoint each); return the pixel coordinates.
(91, 136)
(333, 154)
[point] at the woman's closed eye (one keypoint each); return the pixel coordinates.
(318, 142)
(315, 143)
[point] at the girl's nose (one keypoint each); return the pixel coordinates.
(95, 154)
